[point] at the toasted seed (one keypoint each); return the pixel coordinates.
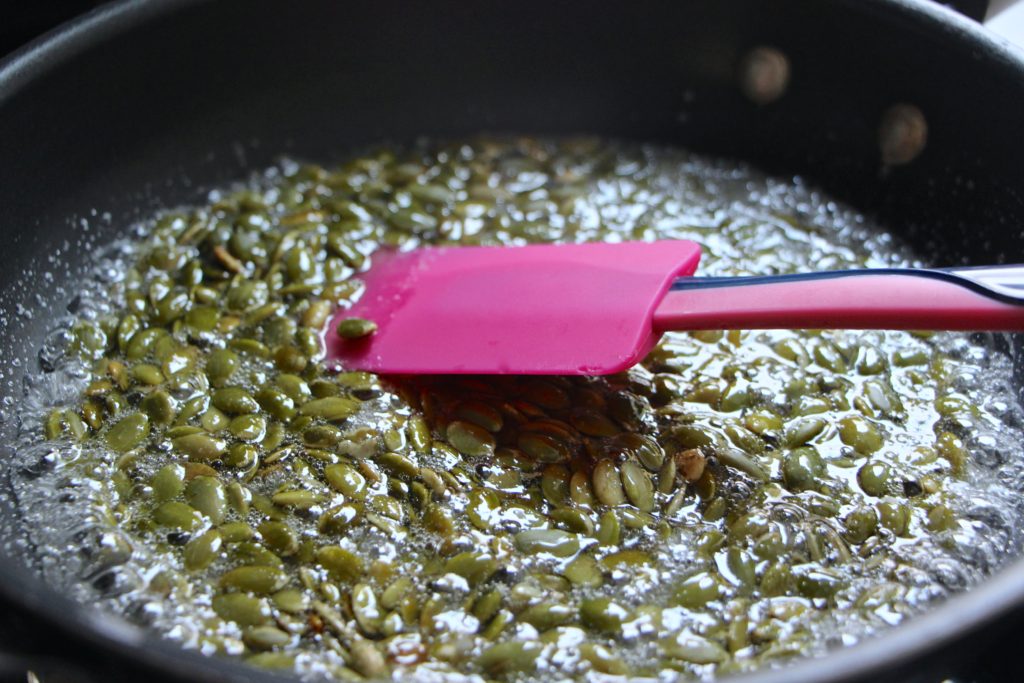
(690, 463)
(480, 414)
(543, 447)
(470, 439)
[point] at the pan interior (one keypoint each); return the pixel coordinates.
(887, 484)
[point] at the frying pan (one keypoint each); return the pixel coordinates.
(141, 105)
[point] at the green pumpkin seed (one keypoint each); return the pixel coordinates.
(346, 479)
(338, 519)
(584, 571)
(799, 432)
(235, 532)
(803, 468)
(861, 434)
(242, 609)
(607, 484)
(694, 649)
(874, 478)
(206, 494)
(235, 401)
(265, 638)
(279, 537)
(276, 402)
(483, 508)
(509, 658)
(472, 566)
(261, 580)
(332, 409)
(342, 565)
(128, 433)
(356, 328)
(168, 482)
(698, 590)
(200, 447)
(419, 434)
(177, 516)
(366, 609)
(548, 541)
(603, 614)
(291, 600)
(201, 551)
(546, 615)
(298, 498)
(637, 485)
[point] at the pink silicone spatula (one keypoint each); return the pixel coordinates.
(593, 309)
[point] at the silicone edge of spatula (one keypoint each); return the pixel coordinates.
(583, 309)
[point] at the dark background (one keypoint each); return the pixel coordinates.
(989, 657)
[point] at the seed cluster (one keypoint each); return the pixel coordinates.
(732, 501)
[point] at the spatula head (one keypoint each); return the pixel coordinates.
(579, 309)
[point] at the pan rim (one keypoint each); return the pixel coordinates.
(941, 624)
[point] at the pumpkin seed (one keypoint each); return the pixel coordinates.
(261, 580)
(129, 432)
(356, 328)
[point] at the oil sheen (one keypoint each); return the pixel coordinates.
(737, 500)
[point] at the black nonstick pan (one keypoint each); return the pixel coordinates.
(141, 105)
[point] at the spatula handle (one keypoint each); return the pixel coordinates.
(985, 298)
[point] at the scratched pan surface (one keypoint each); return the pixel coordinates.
(143, 105)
